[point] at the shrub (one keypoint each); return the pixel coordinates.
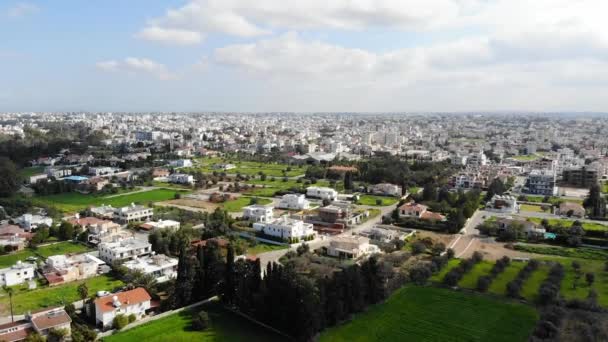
(418, 247)
(132, 318)
(483, 283)
(200, 321)
(120, 321)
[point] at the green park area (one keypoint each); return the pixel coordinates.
(74, 201)
(42, 252)
(436, 314)
(381, 201)
(248, 168)
(236, 205)
(224, 326)
(29, 300)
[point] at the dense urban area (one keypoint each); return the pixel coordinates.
(303, 227)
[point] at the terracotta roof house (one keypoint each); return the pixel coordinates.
(136, 302)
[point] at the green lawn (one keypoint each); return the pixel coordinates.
(74, 201)
(249, 168)
(580, 252)
(271, 187)
(225, 326)
(234, 206)
(469, 280)
(531, 286)
(263, 248)
(44, 251)
(27, 172)
(438, 277)
(499, 284)
(569, 222)
(434, 314)
(371, 200)
(530, 207)
(29, 300)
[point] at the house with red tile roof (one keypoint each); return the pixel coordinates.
(133, 302)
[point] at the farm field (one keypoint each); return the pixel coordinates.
(225, 326)
(552, 200)
(74, 201)
(44, 251)
(580, 252)
(29, 300)
(438, 277)
(469, 280)
(435, 314)
(27, 172)
(371, 200)
(249, 168)
(237, 205)
(532, 208)
(531, 286)
(499, 284)
(568, 222)
(271, 187)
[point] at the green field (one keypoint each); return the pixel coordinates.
(569, 291)
(271, 187)
(469, 280)
(44, 251)
(435, 314)
(234, 206)
(499, 284)
(28, 300)
(530, 207)
(531, 286)
(27, 172)
(568, 222)
(528, 157)
(225, 326)
(248, 168)
(371, 200)
(74, 201)
(438, 277)
(263, 248)
(580, 252)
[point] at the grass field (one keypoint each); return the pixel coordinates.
(530, 207)
(581, 290)
(580, 252)
(74, 201)
(280, 185)
(567, 223)
(530, 287)
(263, 248)
(249, 168)
(469, 280)
(528, 157)
(438, 277)
(237, 205)
(225, 326)
(29, 300)
(44, 251)
(435, 314)
(371, 200)
(27, 172)
(499, 284)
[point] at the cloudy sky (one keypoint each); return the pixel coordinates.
(312, 55)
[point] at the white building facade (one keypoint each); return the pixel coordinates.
(294, 202)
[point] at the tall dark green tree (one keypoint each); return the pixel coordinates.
(184, 283)
(9, 177)
(348, 181)
(595, 202)
(229, 281)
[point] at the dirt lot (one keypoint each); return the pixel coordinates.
(185, 203)
(493, 250)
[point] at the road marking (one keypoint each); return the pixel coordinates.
(465, 249)
(455, 242)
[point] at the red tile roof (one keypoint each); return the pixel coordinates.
(51, 319)
(135, 296)
(87, 221)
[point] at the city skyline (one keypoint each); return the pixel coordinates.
(362, 56)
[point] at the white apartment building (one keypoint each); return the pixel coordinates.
(135, 302)
(293, 201)
(541, 182)
(161, 224)
(285, 228)
(61, 269)
(503, 204)
(17, 274)
(477, 159)
(351, 247)
(35, 178)
(386, 189)
(322, 193)
(181, 163)
(258, 213)
(31, 222)
(123, 250)
(180, 178)
(133, 213)
(162, 267)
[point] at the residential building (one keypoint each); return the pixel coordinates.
(541, 182)
(41, 322)
(97, 183)
(14, 237)
(133, 213)
(133, 302)
(180, 178)
(99, 230)
(386, 233)
(57, 173)
(581, 177)
(60, 269)
(123, 250)
(258, 213)
(419, 211)
(477, 159)
(103, 211)
(351, 247)
(529, 228)
(31, 222)
(181, 163)
(17, 274)
(322, 193)
(161, 224)
(294, 201)
(162, 267)
(33, 179)
(503, 204)
(386, 189)
(285, 228)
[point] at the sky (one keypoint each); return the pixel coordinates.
(304, 56)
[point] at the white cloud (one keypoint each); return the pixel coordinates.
(22, 9)
(174, 36)
(133, 65)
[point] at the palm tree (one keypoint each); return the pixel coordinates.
(9, 291)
